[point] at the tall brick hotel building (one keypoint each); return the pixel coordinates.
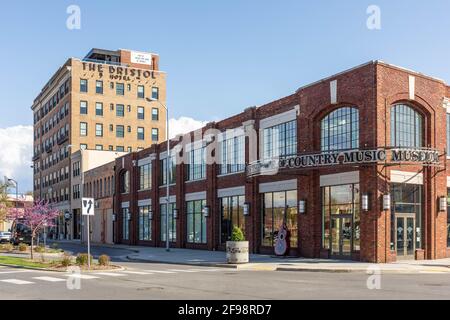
(354, 164)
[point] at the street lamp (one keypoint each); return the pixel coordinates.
(167, 171)
(16, 185)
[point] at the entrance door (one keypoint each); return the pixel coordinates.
(341, 236)
(405, 226)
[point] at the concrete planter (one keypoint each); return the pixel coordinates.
(237, 252)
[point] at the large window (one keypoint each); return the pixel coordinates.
(406, 127)
(172, 222)
(196, 221)
(279, 207)
(120, 89)
(232, 155)
(83, 85)
(340, 130)
(155, 93)
(140, 133)
(120, 110)
(172, 171)
(140, 92)
(83, 129)
(83, 107)
(99, 130)
(197, 164)
(125, 224)
(140, 113)
(99, 109)
(99, 87)
(145, 176)
(125, 182)
(155, 135)
(145, 223)
(120, 131)
(155, 114)
(232, 214)
(280, 140)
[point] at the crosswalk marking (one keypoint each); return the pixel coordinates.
(110, 274)
(136, 272)
(16, 281)
(49, 279)
(81, 276)
(14, 271)
(159, 271)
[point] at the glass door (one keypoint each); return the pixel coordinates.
(405, 226)
(341, 236)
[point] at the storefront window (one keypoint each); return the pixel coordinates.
(448, 218)
(280, 140)
(341, 219)
(145, 223)
(340, 130)
(196, 221)
(232, 214)
(125, 224)
(406, 127)
(172, 223)
(279, 207)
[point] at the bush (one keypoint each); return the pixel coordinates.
(23, 247)
(66, 260)
(237, 234)
(104, 260)
(8, 247)
(82, 259)
(40, 249)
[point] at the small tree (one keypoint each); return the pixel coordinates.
(4, 203)
(237, 234)
(36, 218)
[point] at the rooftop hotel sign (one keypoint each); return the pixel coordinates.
(420, 156)
(118, 72)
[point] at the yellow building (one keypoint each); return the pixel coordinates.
(110, 101)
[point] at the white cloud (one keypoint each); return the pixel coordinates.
(16, 151)
(184, 125)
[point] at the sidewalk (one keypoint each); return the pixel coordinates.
(270, 263)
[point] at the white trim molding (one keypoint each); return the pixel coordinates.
(333, 92)
(195, 196)
(172, 199)
(148, 160)
(125, 205)
(448, 182)
(278, 118)
(145, 202)
(406, 177)
(412, 87)
(229, 192)
(339, 178)
(278, 186)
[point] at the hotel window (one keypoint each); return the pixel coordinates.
(99, 109)
(129, 129)
(232, 155)
(120, 110)
(120, 148)
(120, 89)
(140, 113)
(98, 130)
(140, 92)
(340, 130)
(155, 135)
(406, 127)
(111, 127)
(99, 87)
(83, 85)
(172, 222)
(280, 140)
(172, 171)
(197, 164)
(83, 146)
(83, 129)
(83, 107)
(120, 131)
(279, 207)
(129, 149)
(125, 182)
(99, 147)
(155, 114)
(125, 224)
(145, 223)
(448, 134)
(155, 93)
(232, 214)
(140, 133)
(196, 221)
(145, 176)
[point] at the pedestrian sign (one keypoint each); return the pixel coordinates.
(87, 205)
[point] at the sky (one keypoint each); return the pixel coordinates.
(220, 56)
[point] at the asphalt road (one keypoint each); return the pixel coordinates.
(163, 281)
(116, 254)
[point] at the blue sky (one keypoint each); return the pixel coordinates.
(220, 56)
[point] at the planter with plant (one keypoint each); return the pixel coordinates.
(237, 248)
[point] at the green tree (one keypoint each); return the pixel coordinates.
(4, 203)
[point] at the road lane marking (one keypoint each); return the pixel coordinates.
(50, 279)
(110, 274)
(81, 276)
(14, 271)
(159, 271)
(183, 270)
(136, 272)
(16, 281)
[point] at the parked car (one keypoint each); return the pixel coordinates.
(5, 237)
(20, 234)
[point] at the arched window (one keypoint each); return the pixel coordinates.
(340, 129)
(406, 127)
(125, 182)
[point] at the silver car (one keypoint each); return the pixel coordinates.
(5, 237)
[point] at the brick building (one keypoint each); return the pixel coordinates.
(355, 165)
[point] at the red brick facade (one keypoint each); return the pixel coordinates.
(372, 88)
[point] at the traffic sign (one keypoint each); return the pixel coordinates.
(87, 206)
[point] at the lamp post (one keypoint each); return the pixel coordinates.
(167, 172)
(16, 185)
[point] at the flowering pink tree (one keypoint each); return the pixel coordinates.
(36, 218)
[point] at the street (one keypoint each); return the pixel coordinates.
(168, 281)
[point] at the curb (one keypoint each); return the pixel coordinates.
(119, 268)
